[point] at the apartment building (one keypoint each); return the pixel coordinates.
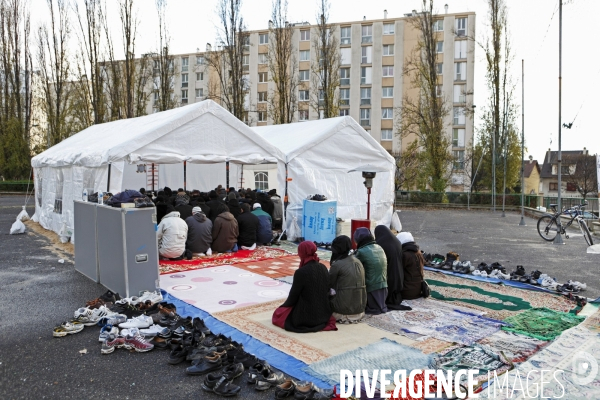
(373, 53)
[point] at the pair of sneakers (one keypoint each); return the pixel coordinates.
(88, 316)
(221, 382)
(263, 376)
(131, 340)
(464, 267)
(301, 390)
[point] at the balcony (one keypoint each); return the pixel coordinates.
(365, 122)
(184, 84)
(365, 102)
(345, 102)
(367, 39)
(184, 101)
(345, 81)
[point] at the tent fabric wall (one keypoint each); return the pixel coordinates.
(319, 155)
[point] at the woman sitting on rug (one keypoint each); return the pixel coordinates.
(307, 307)
(373, 259)
(395, 271)
(347, 279)
(412, 261)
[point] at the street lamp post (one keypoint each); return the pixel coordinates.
(522, 223)
(558, 239)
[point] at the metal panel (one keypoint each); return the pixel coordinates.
(86, 256)
(110, 249)
(141, 250)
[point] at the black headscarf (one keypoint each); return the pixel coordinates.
(340, 247)
(363, 236)
(395, 272)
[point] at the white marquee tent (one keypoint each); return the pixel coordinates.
(200, 133)
(319, 154)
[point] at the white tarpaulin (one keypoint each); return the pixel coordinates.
(200, 133)
(319, 155)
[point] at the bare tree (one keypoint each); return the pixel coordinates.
(583, 175)
(422, 114)
(229, 84)
(325, 72)
(282, 66)
(164, 64)
(55, 70)
(409, 169)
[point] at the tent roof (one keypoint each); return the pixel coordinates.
(296, 138)
(202, 132)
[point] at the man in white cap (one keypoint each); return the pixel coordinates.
(265, 225)
(199, 237)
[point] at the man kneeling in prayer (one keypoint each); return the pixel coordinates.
(199, 237)
(171, 235)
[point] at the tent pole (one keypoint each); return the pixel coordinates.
(368, 203)
(285, 197)
(242, 177)
(152, 177)
(108, 180)
(227, 174)
(184, 175)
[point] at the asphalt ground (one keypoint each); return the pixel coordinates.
(38, 293)
(479, 235)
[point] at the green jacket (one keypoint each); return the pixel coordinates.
(373, 259)
(347, 278)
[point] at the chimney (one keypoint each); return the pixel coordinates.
(364, 17)
(270, 24)
(585, 151)
(446, 8)
(384, 14)
(530, 159)
(208, 47)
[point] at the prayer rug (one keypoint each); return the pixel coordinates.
(436, 319)
(261, 253)
(275, 268)
(430, 345)
(223, 288)
(515, 347)
(541, 323)
(477, 356)
(569, 365)
(384, 354)
(496, 300)
(592, 322)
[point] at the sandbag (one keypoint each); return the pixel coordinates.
(294, 232)
(17, 228)
(396, 224)
(23, 216)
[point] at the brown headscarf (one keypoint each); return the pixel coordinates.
(307, 252)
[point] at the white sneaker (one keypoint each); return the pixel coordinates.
(130, 332)
(83, 315)
(154, 330)
(101, 312)
(493, 274)
(549, 283)
(107, 331)
(579, 285)
(143, 321)
(502, 276)
(154, 297)
(483, 274)
(477, 272)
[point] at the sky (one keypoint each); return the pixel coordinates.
(533, 28)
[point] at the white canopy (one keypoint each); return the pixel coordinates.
(319, 154)
(199, 133)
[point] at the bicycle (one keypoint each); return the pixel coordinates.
(547, 225)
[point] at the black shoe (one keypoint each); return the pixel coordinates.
(247, 359)
(110, 297)
(199, 326)
(285, 390)
(256, 370)
(520, 270)
(233, 371)
(188, 255)
(311, 392)
(197, 354)
(216, 340)
(209, 363)
(268, 378)
(178, 355)
(222, 387)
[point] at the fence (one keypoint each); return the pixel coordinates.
(15, 186)
(460, 199)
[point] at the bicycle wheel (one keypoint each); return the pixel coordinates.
(586, 233)
(547, 227)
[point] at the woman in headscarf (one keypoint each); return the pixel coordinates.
(347, 279)
(372, 257)
(233, 204)
(307, 307)
(395, 272)
(412, 261)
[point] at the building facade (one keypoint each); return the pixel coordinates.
(373, 54)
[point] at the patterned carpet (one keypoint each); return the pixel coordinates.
(275, 268)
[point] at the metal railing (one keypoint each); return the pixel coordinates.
(15, 186)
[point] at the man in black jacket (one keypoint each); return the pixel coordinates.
(216, 205)
(248, 227)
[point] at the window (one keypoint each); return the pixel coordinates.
(184, 95)
(263, 38)
(459, 116)
(365, 117)
(305, 35)
(184, 80)
(344, 112)
(199, 76)
(388, 49)
(304, 55)
(185, 62)
(304, 75)
(388, 29)
(246, 42)
(156, 96)
(58, 195)
(439, 91)
(346, 55)
(571, 187)
(367, 34)
(459, 94)
(388, 70)
(303, 115)
(344, 76)
(199, 60)
(438, 25)
(365, 75)
(262, 97)
(564, 170)
(345, 97)
(262, 58)
(461, 26)
(387, 113)
(365, 96)
(199, 93)
(263, 77)
(460, 71)
(386, 134)
(388, 91)
(459, 159)
(439, 47)
(303, 95)
(245, 60)
(439, 68)
(345, 33)
(366, 54)
(460, 49)
(262, 116)
(553, 186)
(458, 137)
(261, 180)
(321, 99)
